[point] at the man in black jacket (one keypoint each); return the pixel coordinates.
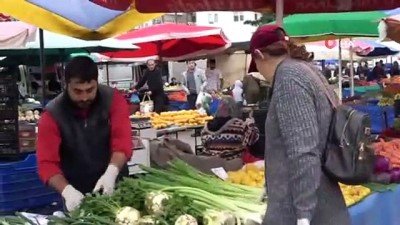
(153, 77)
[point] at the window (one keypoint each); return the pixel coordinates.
(235, 17)
(241, 17)
(156, 21)
(212, 18)
(238, 17)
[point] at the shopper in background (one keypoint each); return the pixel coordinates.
(195, 80)
(84, 137)
(214, 76)
(395, 70)
(228, 136)
(173, 82)
(237, 92)
(378, 72)
(298, 121)
(153, 77)
(251, 89)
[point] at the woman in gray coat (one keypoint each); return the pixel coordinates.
(296, 132)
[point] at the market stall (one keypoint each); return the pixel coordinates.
(160, 194)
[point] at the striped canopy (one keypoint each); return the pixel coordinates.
(84, 19)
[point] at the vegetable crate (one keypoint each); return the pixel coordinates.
(21, 188)
(9, 100)
(381, 117)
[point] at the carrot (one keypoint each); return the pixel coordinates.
(390, 150)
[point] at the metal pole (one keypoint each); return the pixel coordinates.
(351, 69)
(279, 12)
(340, 79)
(42, 65)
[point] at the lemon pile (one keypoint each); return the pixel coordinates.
(178, 118)
(354, 194)
(185, 118)
(250, 175)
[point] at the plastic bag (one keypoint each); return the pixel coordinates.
(146, 106)
(134, 98)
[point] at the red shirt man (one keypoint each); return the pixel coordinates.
(84, 137)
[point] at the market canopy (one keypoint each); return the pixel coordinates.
(324, 26)
(84, 19)
(389, 27)
(57, 44)
(15, 34)
(172, 42)
(329, 49)
(290, 6)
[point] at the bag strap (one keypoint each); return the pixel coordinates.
(324, 85)
(334, 106)
(144, 97)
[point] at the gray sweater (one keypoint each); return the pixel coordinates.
(296, 132)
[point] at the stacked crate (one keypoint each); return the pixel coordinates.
(9, 100)
(20, 186)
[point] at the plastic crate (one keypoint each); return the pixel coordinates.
(12, 167)
(29, 203)
(14, 175)
(21, 188)
(25, 193)
(381, 117)
(176, 106)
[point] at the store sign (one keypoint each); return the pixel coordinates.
(299, 6)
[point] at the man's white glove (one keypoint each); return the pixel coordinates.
(106, 183)
(303, 222)
(72, 197)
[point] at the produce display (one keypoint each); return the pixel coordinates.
(178, 118)
(179, 195)
(354, 194)
(386, 101)
(387, 165)
(251, 175)
(392, 80)
(29, 116)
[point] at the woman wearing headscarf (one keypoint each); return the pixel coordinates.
(297, 127)
(237, 91)
(226, 135)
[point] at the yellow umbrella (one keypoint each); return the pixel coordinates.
(84, 19)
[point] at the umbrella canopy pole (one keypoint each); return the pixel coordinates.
(351, 70)
(340, 78)
(107, 74)
(279, 12)
(42, 66)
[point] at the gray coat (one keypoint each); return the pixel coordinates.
(296, 132)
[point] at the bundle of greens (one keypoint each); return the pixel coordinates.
(179, 195)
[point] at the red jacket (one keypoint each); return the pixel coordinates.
(49, 139)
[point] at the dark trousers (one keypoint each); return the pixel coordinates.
(159, 102)
(191, 99)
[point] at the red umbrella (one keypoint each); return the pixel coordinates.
(290, 6)
(172, 42)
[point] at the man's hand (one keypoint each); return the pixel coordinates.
(149, 92)
(106, 183)
(72, 197)
(303, 222)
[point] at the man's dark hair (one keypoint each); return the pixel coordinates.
(212, 61)
(82, 68)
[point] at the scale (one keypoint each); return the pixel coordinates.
(139, 123)
(142, 133)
